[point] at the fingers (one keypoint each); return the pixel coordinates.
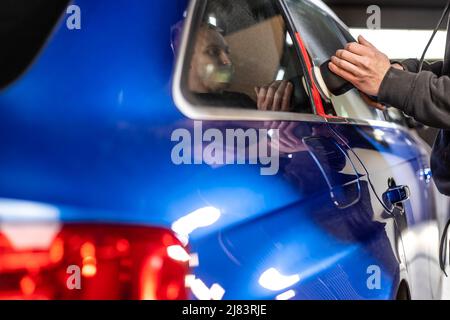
(270, 125)
(275, 125)
(372, 103)
(268, 102)
(279, 94)
(276, 97)
(345, 65)
(358, 49)
(364, 42)
(290, 135)
(342, 73)
(361, 48)
(261, 97)
(350, 57)
(287, 141)
(257, 89)
(282, 99)
(362, 65)
(286, 100)
(398, 66)
(287, 138)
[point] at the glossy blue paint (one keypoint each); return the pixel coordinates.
(87, 129)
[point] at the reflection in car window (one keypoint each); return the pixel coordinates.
(242, 56)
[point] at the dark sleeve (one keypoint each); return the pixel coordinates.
(423, 96)
(412, 65)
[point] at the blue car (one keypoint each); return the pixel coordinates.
(202, 150)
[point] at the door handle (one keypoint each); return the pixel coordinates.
(396, 195)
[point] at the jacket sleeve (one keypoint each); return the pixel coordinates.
(423, 96)
(412, 65)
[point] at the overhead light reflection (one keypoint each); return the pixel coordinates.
(178, 253)
(289, 41)
(217, 292)
(273, 280)
(193, 261)
(201, 291)
(200, 218)
(280, 74)
(212, 21)
(286, 295)
(30, 236)
(14, 210)
(188, 280)
(378, 134)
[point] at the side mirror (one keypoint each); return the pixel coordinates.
(330, 83)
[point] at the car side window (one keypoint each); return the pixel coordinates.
(240, 55)
(323, 34)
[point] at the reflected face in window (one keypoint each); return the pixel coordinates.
(211, 66)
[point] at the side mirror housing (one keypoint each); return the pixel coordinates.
(334, 84)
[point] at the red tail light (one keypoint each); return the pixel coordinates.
(92, 262)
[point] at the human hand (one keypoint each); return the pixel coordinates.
(275, 97)
(361, 64)
(288, 142)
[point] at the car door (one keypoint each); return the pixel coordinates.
(389, 156)
(310, 231)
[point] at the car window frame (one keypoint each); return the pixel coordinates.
(196, 112)
(206, 113)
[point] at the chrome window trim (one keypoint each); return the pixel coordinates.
(224, 114)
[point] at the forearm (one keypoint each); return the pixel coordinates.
(424, 96)
(412, 65)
